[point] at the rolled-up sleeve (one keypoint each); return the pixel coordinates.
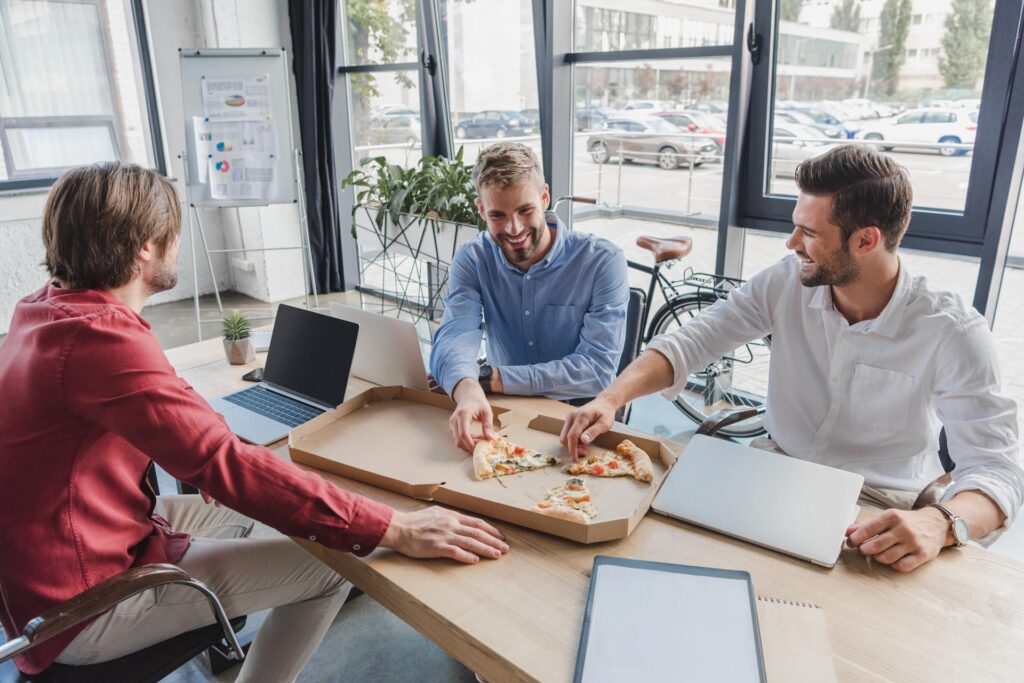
(742, 317)
(457, 340)
(980, 420)
(593, 363)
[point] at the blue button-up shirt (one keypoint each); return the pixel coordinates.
(555, 330)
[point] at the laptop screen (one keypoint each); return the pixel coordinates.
(311, 354)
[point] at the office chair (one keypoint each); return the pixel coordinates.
(145, 666)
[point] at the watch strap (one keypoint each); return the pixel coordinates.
(952, 517)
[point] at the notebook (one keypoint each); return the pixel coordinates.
(794, 639)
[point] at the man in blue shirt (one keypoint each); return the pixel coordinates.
(553, 301)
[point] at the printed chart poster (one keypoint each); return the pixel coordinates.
(240, 176)
(236, 98)
(222, 138)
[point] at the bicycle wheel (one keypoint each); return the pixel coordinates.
(738, 380)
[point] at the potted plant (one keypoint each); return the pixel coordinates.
(238, 345)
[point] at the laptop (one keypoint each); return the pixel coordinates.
(306, 374)
(388, 351)
(796, 507)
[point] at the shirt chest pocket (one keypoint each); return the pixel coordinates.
(880, 399)
(559, 329)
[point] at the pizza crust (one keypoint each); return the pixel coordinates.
(566, 513)
(481, 466)
(641, 461)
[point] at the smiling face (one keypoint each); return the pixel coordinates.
(515, 220)
(825, 258)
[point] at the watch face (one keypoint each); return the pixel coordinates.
(960, 531)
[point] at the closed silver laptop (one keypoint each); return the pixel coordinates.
(796, 507)
(388, 350)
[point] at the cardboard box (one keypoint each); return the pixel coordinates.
(398, 439)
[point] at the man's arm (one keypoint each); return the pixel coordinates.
(457, 340)
(117, 377)
(592, 364)
(981, 431)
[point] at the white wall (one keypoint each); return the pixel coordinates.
(277, 275)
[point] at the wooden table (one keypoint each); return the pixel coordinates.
(958, 618)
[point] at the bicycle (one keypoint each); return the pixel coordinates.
(734, 381)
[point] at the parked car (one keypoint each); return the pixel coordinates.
(697, 122)
(647, 106)
(793, 143)
(395, 130)
(649, 138)
(592, 117)
(494, 124)
(530, 117)
(710, 106)
(795, 116)
(830, 118)
(941, 127)
(394, 110)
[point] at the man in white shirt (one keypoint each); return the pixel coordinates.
(867, 364)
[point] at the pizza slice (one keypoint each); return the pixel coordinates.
(500, 457)
(570, 501)
(627, 460)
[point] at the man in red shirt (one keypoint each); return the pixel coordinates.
(91, 401)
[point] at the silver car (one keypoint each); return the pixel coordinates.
(649, 139)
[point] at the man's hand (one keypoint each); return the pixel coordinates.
(902, 540)
(437, 532)
(472, 406)
(585, 424)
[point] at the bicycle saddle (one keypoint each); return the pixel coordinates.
(665, 248)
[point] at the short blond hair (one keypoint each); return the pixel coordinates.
(505, 164)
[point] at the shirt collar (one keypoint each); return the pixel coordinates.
(552, 221)
(888, 321)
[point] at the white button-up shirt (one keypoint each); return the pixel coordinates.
(869, 397)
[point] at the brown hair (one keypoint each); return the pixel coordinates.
(98, 217)
(505, 164)
(867, 188)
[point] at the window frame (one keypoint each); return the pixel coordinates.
(40, 179)
(937, 230)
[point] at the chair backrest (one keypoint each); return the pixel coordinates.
(944, 457)
(633, 331)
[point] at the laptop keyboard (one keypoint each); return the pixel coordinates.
(270, 404)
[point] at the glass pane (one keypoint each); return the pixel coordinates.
(608, 26)
(380, 31)
(492, 73)
(57, 148)
(655, 171)
(875, 73)
(386, 116)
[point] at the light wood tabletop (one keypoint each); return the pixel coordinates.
(958, 618)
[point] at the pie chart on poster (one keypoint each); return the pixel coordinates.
(223, 166)
(235, 100)
(224, 146)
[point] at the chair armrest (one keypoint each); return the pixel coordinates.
(724, 418)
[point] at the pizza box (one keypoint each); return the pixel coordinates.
(398, 438)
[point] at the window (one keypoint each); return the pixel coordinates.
(873, 89)
(70, 89)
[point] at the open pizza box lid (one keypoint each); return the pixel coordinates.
(398, 438)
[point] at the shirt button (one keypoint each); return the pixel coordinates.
(528, 277)
(312, 538)
(527, 311)
(357, 547)
(530, 342)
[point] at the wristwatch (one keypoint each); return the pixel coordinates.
(957, 526)
(486, 372)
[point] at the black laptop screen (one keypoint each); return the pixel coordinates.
(311, 354)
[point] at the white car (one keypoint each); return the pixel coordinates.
(941, 128)
(793, 143)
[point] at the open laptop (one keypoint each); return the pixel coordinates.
(306, 374)
(796, 507)
(388, 351)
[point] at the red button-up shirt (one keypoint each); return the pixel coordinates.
(89, 399)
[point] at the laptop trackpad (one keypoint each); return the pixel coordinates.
(250, 426)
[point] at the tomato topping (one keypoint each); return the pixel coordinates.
(614, 464)
(597, 469)
(519, 450)
(580, 499)
(544, 504)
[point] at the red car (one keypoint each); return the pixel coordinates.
(697, 122)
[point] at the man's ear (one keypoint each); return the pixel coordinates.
(866, 240)
(545, 197)
(148, 252)
(480, 208)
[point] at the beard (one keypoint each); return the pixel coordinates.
(523, 253)
(164, 277)
(839, 269)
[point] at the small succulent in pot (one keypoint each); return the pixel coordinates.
(238, 345)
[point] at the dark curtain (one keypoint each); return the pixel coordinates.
(313, 24)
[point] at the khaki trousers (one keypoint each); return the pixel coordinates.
(247, 574)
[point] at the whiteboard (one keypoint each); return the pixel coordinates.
(214, 65)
